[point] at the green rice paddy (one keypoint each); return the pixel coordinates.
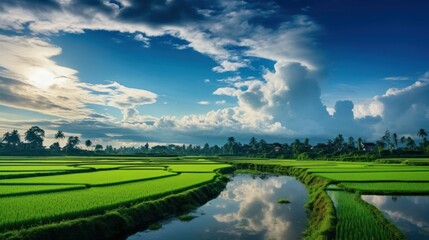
(106, 184)
(84, 186)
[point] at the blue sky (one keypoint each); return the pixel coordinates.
(126, 72)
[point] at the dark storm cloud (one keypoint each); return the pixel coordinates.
(152, 12)
(164, 11)
(90, 6)
(35, 5)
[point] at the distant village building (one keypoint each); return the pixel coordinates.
(369, 147)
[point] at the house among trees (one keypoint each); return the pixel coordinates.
(369, 147)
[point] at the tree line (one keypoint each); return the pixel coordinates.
(390, 144)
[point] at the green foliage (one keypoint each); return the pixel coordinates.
(283, 201)
(186, 217)
(154, 226)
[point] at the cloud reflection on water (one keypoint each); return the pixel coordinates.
(409, 213)
(258, 210)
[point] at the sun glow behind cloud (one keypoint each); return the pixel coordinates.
(43, 78)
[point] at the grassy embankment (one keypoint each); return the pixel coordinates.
(116, 197)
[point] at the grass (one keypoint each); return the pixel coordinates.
(154, 226)
(388, 187)
(357, 221)
(368, 169)
(19, 211)
(376, 176)
(23, 168)
(92, 178)
(14, 190)
(196, 167)
(186, 217)
(283, 201)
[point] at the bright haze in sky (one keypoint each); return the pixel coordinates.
(126, 72)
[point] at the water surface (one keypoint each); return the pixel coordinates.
(246, 209)
(409, 213)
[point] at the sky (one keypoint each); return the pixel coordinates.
(127, 72)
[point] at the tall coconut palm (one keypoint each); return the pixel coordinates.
(410, 143)
(360, 144)
(59, 135)
(14, 138)
(11, 138)
(422, 134)
(403, 139)
(395, 140)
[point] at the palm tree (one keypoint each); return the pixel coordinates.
(423, 134)
(296, 146)
(410, 143)
(231, 145)
(59, 135)
(11, 138)
(395, 140)
(403, 139)
(6, 138)
(14, 138)
(253, 143)
(386, 139)
(351, 142)
(88, 144)
(360, 144)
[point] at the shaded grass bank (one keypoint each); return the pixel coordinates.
(123, 221)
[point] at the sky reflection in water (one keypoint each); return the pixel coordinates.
(246, 209)
(409, 213)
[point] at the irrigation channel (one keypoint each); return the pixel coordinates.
(250, 207)
(409, 213)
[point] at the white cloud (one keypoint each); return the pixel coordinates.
(141, 38)
(203, 102)
(230, 80)
(227, 66)
(425, 76)
(402, 110)
(221, 102)
(372, 108)
(206, 80)
(397, 78)
(31, 80)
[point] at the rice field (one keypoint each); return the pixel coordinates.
(14, 190)
(105, 184)
(416, 176)
(388, 187)
(85, 186)
(92, 178)
(357, 221)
